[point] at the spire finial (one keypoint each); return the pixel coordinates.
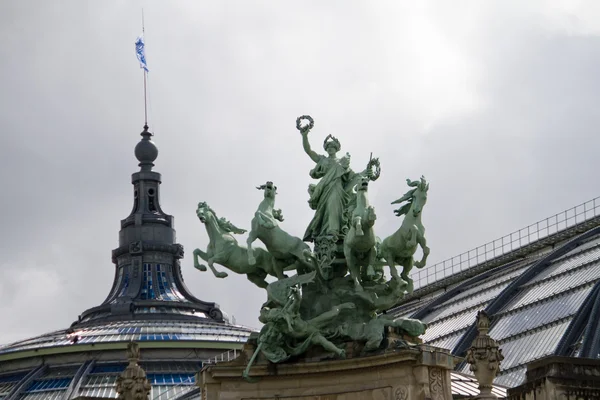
(146, 151)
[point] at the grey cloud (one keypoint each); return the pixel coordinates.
(227, 81)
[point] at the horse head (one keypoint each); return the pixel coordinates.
(206, 214)
(269, 188)
(204, 211)
(362, 186)
(415, 198)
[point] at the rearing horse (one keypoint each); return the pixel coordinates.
(400, 247)
(288, 251)
(359, 243)
(223, 249)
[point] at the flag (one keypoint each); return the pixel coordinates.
(140, 52)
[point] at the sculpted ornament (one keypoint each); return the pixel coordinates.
(331, 196)
(289, 252)
(224, 249)
(484, 357)
(401, 393)
(132, 384)
(400, 247)
(338, 292)
(359, 243)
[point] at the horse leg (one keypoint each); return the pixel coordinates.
(303, 255)
(423, 243)
(252, 236)
(358, 226)
(258, 279)
(405, 271)
(354, 268)
(293, 266)
(278, 269)
(215, 259)
(371, 258)
(201, 254)
(389, 259)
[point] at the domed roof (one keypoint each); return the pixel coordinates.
(148, 303)
(203, 330)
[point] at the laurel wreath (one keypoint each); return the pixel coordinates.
(375, 163)
(305, 128)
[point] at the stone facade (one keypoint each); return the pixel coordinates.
(560, 378)
(419, 372)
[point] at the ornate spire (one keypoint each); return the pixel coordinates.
(485, 357)
(148, 282)
(132, 384)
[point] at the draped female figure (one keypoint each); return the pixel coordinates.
(331, 196)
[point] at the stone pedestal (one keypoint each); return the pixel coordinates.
(418, 372)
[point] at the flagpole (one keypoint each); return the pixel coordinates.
(145, 72)
(145, 102)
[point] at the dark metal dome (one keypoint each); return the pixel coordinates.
(148, 303)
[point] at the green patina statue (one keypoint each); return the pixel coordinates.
(339, 292)
(331, 197)
(400, 247)
(359, 243)
(223, 249)
(288, 251)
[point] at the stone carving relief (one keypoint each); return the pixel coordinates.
(436, 384)
(401, 393)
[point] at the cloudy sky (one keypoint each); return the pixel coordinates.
(495, 102)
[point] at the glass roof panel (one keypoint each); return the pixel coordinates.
(447, 326)
(524, 349)
(539, 314)
(497, 279)
(512, 378)
(6, 387)
(99, 386)
(565, 264)
(447, 342)
(474, 301)
(13, 377)
(172, 379)
(466, 385)
(590, 244)
(407, 309)
(530, 294)
(162, 392)
(172, 367)
(47, 395)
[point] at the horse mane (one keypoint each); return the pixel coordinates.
(223, 223)
(405, 208)
(410, 195)
(228, 227)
